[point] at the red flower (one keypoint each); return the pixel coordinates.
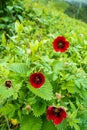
(8, 83)
(60, 44)
(37, 79)
(56, 114)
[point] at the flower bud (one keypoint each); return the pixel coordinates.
(8, 83)
(28, 107)
(59, 96)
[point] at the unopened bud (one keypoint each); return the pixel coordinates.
(8, 83)
(59, 96)
(28, 107)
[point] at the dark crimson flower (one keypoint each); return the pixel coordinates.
(60, 44)
(56, 114)
(37, 79)
(8, 83)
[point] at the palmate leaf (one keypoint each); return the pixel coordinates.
(44, 92)
(18, 67)
(39, 108)
(30, 123)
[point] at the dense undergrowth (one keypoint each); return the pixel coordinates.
(28, 49)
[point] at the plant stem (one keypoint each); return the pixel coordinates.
(7, 122)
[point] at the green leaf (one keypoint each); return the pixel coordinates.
(5, 92)
(62, 126)
(39, 108)
(3, 39)
(19, 51)
(83, 118)
(15, 96)
(58, 66)
(30, 123)
(70, 87)
(44, 92)
(84, 82)
(76, 127)
(18, 27)
(74, 114)
(9, 7)
(72, 106)
(8, 110)
(18, 67)
(48, 125)
(77, 83)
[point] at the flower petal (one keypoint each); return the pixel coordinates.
(63, 113)
(49, 113)
(57, 120)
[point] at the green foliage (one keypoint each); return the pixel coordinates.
(20, 68)
(30, 122)
(83, 119)
(39, 105)
(18, 27)
(62, 126)
(26, 47)
(76, 10)
(7, 110)
(48, 125)
(60, 5)
(44, 92)
(5, 92)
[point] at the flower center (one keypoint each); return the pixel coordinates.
(57, 111)
(60, 45)
(37, 79)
